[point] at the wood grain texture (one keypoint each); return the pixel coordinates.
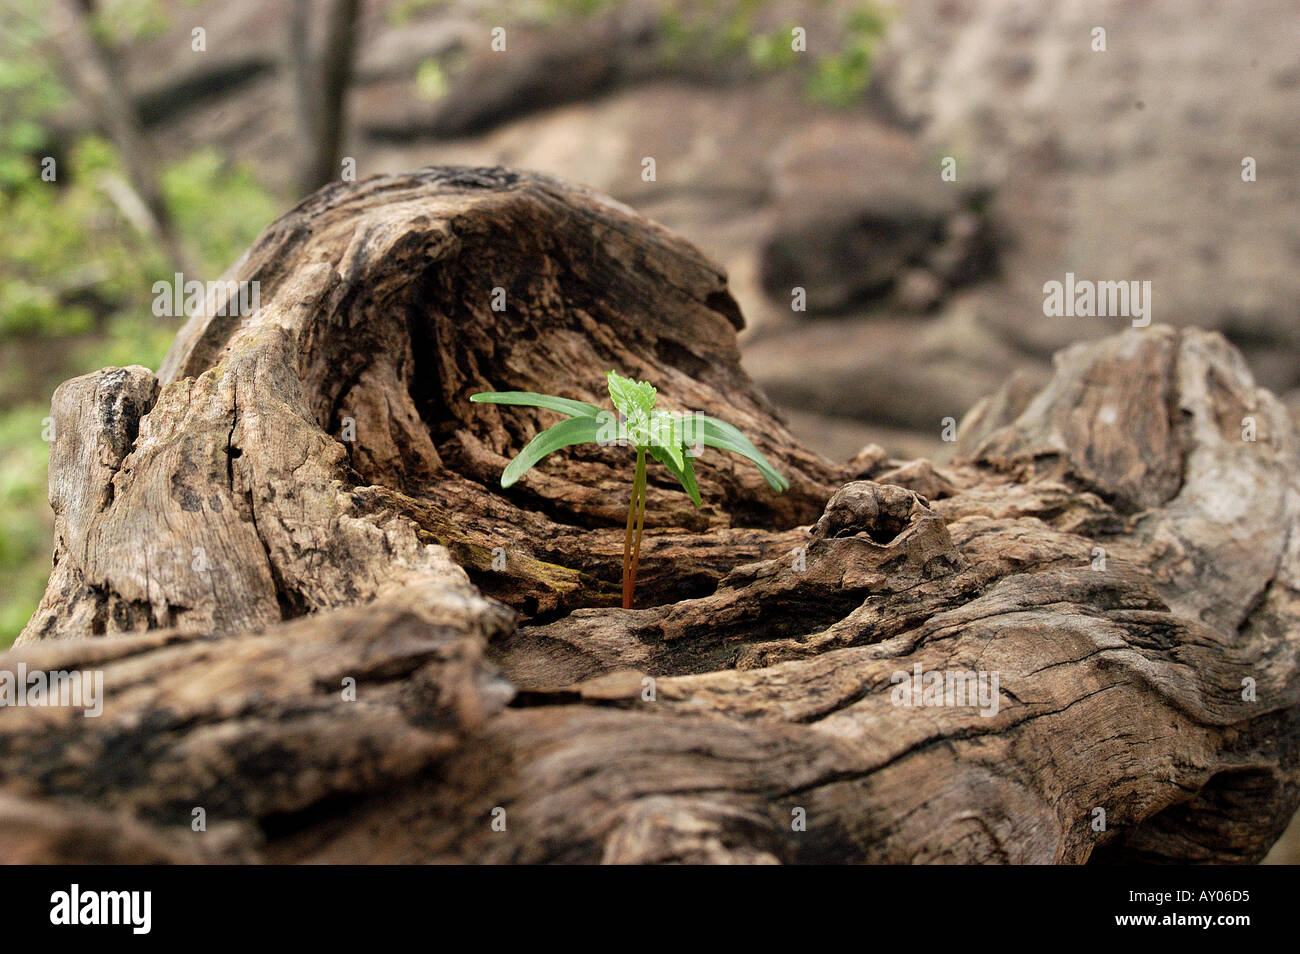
(1111, 548)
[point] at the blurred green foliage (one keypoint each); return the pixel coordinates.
(757, 34)
(76, 278)
(745, 30)
(401, 12)
(840, 78)
(431, 80)
(25, 530)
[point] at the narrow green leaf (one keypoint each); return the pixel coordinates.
(715, 433)
(664, 435)
(674, 453)
(683, 471)
(532, 399)
(574, 430)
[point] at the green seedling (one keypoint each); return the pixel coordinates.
(671, 439)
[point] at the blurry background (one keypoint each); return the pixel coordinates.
(178, 129)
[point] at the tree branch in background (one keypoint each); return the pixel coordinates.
(321, 87)
(93, 67)
(299, 60)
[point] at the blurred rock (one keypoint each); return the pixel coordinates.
(860, 208)
(1122, 164)
(899, 372)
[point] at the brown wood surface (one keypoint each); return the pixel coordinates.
(1110, 547)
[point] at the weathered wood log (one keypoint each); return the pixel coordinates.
(289, 535)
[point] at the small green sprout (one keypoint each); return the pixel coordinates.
(671, 439)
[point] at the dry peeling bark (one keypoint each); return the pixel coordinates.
(1111, 547)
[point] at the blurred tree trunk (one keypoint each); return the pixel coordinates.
(98, 79)
(320, 85)
(299, 59)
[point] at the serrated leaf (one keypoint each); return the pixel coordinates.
(533, 399)
(719, 434)
(573, 430)
(634, 399)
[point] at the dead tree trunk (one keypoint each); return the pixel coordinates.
(305, 497)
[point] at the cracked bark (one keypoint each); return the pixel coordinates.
(1111, 548)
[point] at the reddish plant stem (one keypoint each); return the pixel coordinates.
(627, 551)
(631, 541)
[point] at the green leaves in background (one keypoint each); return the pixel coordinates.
(25, 531)
(76, 278)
